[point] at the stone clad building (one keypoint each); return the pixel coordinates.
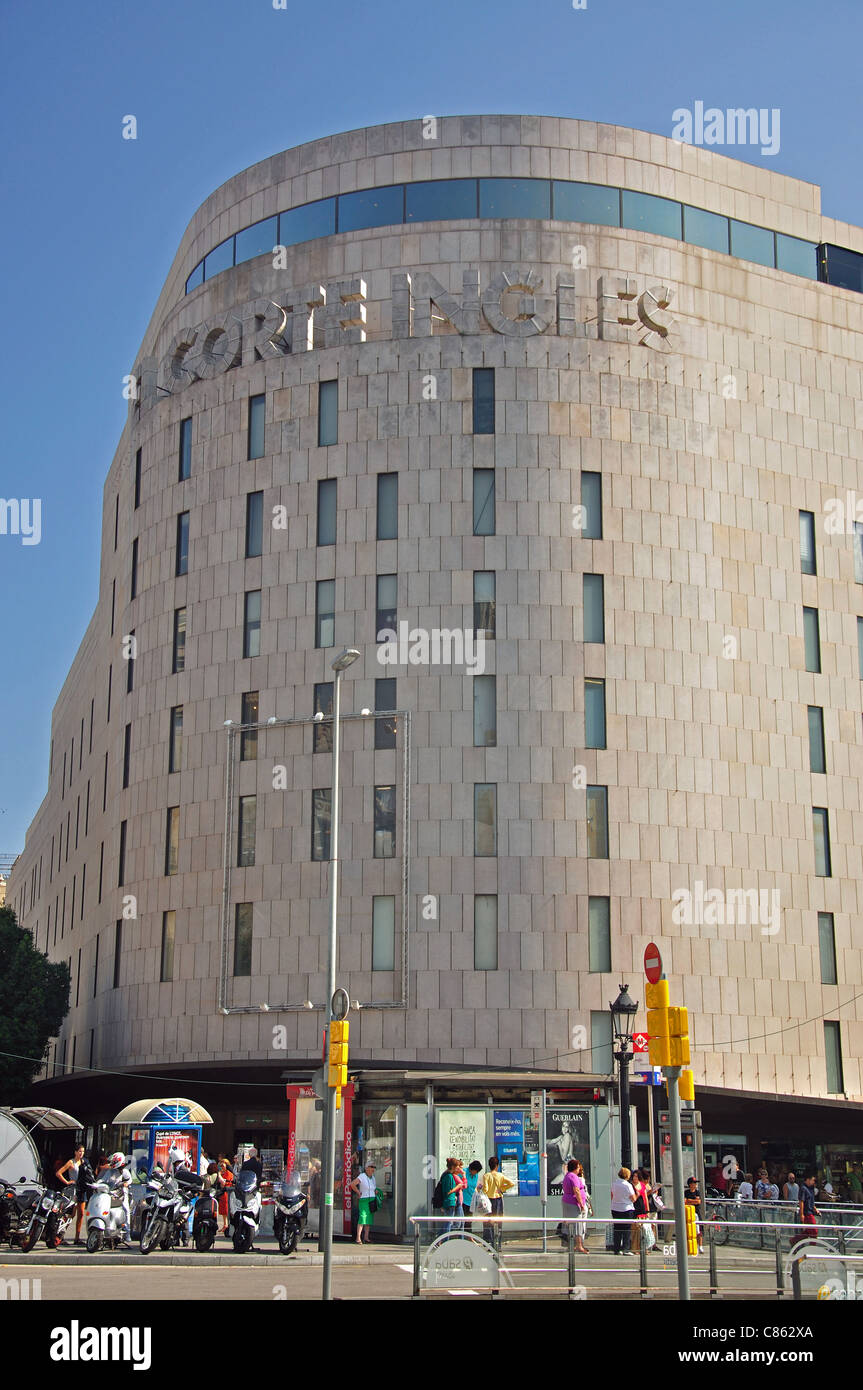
(587, 392)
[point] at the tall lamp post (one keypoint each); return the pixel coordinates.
(623, 1011)
(328, 1173)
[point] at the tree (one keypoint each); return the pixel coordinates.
(34, 1000)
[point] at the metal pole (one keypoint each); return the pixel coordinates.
(543, 1185)
(672, 1076)
(651, 1126)
(430, 1145)
(329, 1146)
(625, 1133)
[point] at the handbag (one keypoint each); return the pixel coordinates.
(481, 1205)
(647, 1235)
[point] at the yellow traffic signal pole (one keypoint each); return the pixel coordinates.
(672, 1076)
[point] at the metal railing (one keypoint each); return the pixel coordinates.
(748, 1224)
(512, 1255)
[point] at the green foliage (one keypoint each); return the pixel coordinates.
(34, 1000)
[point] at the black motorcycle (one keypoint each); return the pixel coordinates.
(291, 1213)
(24, 1214)
(63, 1209)
(205, 1220)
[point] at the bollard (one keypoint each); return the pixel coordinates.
(711, 1254)
(642, 1262)
(780, 1279)
(570, 1257)
(417, 1257)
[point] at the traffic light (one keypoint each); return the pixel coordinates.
(668, 1027)
(337, 1075)
(686, 1084)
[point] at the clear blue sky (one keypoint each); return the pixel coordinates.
(91, 221)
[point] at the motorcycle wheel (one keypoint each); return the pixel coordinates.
(150, 1236)
(288, 1236)
(94, 1241)
(27, 1242)
(242, 1238)
(204, 1237)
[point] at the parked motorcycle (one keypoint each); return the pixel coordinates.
(165, 1209)
(107, 1211)
(205, 1220)
(62, 1211)
(244, 1209)
(291, 1213)
(24, 1214)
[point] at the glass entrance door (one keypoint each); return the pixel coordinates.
(378, 1141)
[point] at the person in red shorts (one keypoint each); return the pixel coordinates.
(808, 1209)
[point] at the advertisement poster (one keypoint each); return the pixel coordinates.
(567, 1135)
(516, 1143)
(186, 1140)
(273, 1164)
(461, 1134)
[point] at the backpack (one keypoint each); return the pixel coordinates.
(437, 1195)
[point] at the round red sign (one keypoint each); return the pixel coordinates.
(652, 963)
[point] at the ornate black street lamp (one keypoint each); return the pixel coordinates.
(623, 1011)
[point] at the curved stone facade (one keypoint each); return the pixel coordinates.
(715, 398)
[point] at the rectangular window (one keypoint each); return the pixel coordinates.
(599, 935)
(485, 711)
(441, 200)
(243, 939)
(172, 840)
(817, 759)
(827, 948)
(86, 815)
(328, 413)
(138, 453)
(597, 822)
(257, 240)
(178, 662)
(752, 243)
(485, 931)
(593, 605)
(483, 400)
(246, 830)
(586, 202)
(483, 502)
(511, 198)
(185, 455)
(127, 753)
(116, 518)
(807, 542)
(811, 639)
(175, 743)
(118, 945)
(644, 212)
(385, 823)
(858, 552)
(833, 1057)
(821, 835)
(252, 623)
(484, 604)
(133, 585)
(591, 502)
(484, 819)
(386, 606)
(383, 933)
(257, 411)
(594, 713)
(385, 698)
(601, 1042)
(254, 524)
(121, 858)
(325, 613)
(169, 927)
(322, 805)
(249, 737)
(182, 557)
(130, 663)
(322, 731)
(113, 603)
(706, 229)
(388, 507)
(327, 496)
(92, 711)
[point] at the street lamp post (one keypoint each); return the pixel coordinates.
(623, 1011)
(328, 1167)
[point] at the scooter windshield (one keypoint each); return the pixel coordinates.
(292, 1185)
(247, 1182)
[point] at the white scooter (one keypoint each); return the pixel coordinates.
(108, 1210)
(244, 1206)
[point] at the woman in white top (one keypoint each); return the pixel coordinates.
(622, 1213)
(366, 1188)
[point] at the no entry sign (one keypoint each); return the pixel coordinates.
(652, 963)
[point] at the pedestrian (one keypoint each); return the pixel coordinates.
(574, 1200)
(622, 1204)
(366, 1188)
(494, 1185)
(645, 1227)
(449, 1194)
(808, 1210)
(657, 1207)
(461, 1188)
(356, 1169)
(225, 1178)
(791, 1189)
(744, 1191)
(66, 1174)
(473, 1172)
(692, 1198)
(762, 1187)
(640, 1209)
(253, 1164)
(69, 1174)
